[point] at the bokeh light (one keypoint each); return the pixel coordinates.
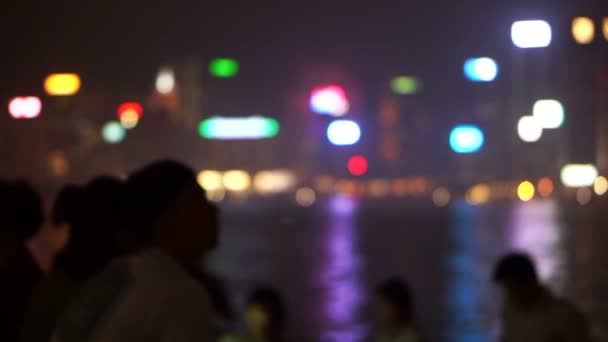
(379, 188)
(274, 181)
(531, 34)
(113, 132)
(62, 84)
(59, 163)
(306, 197)
(600, 186)
(526, 191)
(165, 81)
(357, 165)
(584, 196)
(528, 129)
(441, 197)
(25, 107)
(545, 187)
(129, 119)
(466, 139)
(130, 108)
(216, 195)
(482, 69)
(405, 85)
(236, 180)
(478, 194)
(605, 28)
(579, 175)
(210, 180)
(583, 30)
(549, 113)
(343, 132)
(224, 67)
(239, 128)
(329, 100)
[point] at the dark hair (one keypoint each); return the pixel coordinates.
(66, 204)
(270, 300)
(397, 293)
(20, 209)
(96, 229)
(154, 190)
(515, 267)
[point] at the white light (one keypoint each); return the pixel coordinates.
(273, 181)
(531, 34)
(343, 132)
(529, 129)
(165, 81)
(236, 180)
(210, 180)
(549, 113)
(579, 175)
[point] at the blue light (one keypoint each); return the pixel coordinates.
(482, 69)
(466, 139)
(343, 132)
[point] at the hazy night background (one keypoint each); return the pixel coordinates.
(326, 256)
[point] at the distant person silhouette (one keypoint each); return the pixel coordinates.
(395, 309)
(93, 217)
(21, 216)
(151, 294)
(265, 318)
(531, 313)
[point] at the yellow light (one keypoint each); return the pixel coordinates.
(210, 180)
(306, 197)
(479, 194)
(545, 187)
(62, 84)
(605, 28)
(600, 187)
(379, 188)
(237, 180)
(129, 119)
(216, 195)
(274, 181)
(583, 30)
(526, 191)
(441, 197)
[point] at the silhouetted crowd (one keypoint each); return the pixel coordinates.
(126, 266)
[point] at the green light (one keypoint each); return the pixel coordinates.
(224, 67)
(405, 85)
(113, 132)
(243, 128)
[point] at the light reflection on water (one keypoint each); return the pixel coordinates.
(341, 276)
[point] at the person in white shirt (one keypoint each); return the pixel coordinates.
(531, 313)
(151, 294)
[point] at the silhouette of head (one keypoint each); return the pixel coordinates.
(21, 212)
(517, 274)
(170, 210)
(265, 314)
(63, 212)
(394, 302)
(96, 226)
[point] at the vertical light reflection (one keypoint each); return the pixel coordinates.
(341, 275)
(537, 231)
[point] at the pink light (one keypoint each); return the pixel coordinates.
(25, 107)
(329, 100)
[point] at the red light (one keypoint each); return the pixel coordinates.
(130, 107)
(357, 166)
(25, 107)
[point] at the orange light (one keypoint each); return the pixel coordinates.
(62, 84)
(129, 119)
(605, 28)
(545, 187)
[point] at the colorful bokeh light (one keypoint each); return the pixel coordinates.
(305, 197)
(405, 85)
(236, 180)
(210, 180)
(482, 69)
(224, 67)
(129, 119)
(239, 128)
(165, 81)
(531, 34)
(113, 132)
(357, 166)
(62, 84)
(529, 130)
(549, 113)
(329, 100)
(25, 107)
(466, 139)
(579, 175)
(526, 191)
(583, 30)
(600, 186)
(545, 187)
(343, 132)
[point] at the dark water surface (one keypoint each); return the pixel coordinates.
(327, 259)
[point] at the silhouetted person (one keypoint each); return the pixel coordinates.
(531, 313)
(21, 216)
(94, 216)
(62, 216)
(151, 295)
(395, 309)
(222, 307)
(265, 318)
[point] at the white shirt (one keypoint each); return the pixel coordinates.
(550, 320)
(144, 297)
